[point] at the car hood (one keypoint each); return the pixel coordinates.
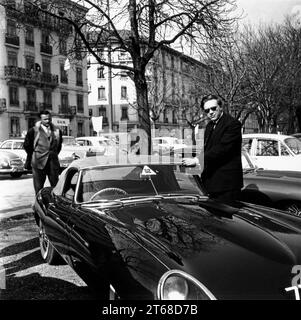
(8, 154)
(273, 174)
(237, 253)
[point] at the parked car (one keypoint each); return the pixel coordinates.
(273, 151)
(93, 144)
(273, 188)
(11, 164)
(15, 145)
(66, 156)
(165, 145)
(144, 227)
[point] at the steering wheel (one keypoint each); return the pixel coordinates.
(113, 191)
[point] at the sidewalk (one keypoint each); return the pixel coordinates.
(17, 212)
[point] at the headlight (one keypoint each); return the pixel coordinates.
(178, 285)
(4, 163)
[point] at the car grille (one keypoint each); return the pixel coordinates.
(16, 163)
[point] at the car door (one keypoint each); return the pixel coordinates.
(57, 217)
(268, 154)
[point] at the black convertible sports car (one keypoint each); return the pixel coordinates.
(143, 228)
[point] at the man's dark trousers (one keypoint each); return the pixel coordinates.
(39, 175)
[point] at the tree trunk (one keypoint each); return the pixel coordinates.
(143, 109)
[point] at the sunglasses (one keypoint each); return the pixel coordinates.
(212, 108)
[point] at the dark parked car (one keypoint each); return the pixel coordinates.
(145, 229)
(274, 188)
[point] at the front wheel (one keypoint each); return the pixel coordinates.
(16, 174)
(48, 252)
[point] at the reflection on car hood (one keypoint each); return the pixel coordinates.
(244, 252)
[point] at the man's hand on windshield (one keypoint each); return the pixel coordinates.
(190, 162)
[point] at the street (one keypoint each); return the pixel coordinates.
(16, 193)
(23, 274)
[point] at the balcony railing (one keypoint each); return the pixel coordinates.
(45, 106)
(33, 16)
(12, 39)
(67, 110)
(31, 106)
(46, 48)
(25, 76)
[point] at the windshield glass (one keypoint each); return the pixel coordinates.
(135, 180)
(294, 144)
(69, 141)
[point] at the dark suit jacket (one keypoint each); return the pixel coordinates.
(222, 155)
(44, 147)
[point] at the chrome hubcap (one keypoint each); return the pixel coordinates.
(44, 242)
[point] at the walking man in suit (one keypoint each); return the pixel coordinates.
(222, 175)
(43, 143)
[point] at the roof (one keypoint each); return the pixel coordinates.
(266, 135)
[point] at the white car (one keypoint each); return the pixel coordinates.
(16, 146)
(273, 151)
(94, 144)
(162, 145)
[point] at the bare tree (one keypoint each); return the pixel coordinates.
(228, 69)
(140, 28)
(273, 74)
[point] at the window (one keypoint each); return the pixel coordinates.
(174, 117)
(79, 76)
(45, 38)
(63, 74)
(246, 145)
(31, 95)
(165, 118)
(29, 36)
(267, 148)
(101, 93)
(13, 96)
(47, 99)
(102, 112)
(123, 92)
(12, 59)
(46, 65)
(11, 28)
(100, 73)
(15, 126)
(64, 99)
(80, 129)
(7, 145)
(80, 103)
(124, 113)
(63, 47)
(29, 62)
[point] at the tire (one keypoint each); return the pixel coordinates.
(16, 174)
(293, 208)
(48, 253)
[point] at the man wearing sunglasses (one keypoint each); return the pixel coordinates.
(222, 175)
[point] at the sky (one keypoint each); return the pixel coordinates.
(267, 11)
